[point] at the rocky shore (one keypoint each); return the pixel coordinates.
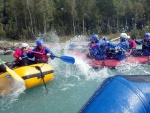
(7, 48)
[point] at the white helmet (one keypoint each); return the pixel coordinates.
(128, 37)
(123, 35)
(24, 45)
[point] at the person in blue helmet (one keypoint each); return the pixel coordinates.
(145, 44)
(101, 50)
(96, 48)
(93, 40)
(41, 53)
(93, 46)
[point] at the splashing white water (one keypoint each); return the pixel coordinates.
(77, 42)
(50, 36)
(128, 68)
(89, 72)
(17, 88)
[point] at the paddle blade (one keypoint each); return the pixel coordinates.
(14, 75)
(67, 59)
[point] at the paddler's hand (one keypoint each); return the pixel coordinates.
(48, 55)
(20, 58)
(128, 54)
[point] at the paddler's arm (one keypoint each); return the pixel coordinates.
(49, 53)
(31, 53)
(139, 42)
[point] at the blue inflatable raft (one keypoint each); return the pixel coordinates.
(121, 94)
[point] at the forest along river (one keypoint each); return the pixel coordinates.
(69, 90)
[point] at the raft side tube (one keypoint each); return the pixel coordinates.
(137, 78)
(119, 95)
(32, 76)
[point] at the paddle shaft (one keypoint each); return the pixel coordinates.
(37, 52)
(67, 59)
(114, 39)
(42, 53)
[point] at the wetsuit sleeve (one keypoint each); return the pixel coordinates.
(31, 53)
(50, 52)
(110, 45)
(139, 42)
(17, 53)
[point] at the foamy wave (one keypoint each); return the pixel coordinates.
(16, 89)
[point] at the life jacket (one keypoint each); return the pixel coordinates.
(99, 52)
(42, 56)
(132, 44)
(120, 56)
(123, 45)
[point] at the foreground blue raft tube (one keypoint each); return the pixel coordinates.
(121, 94)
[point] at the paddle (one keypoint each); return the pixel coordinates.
(78, 46)
(67, 59)
(72, 46)
(84, 51)
(12, 73)
(114, 39)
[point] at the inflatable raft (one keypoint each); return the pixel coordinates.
(112, 63)
(121, 94)
(31, 75)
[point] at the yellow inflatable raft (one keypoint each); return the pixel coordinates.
(33, 75)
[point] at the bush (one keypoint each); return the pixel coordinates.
(11, 34)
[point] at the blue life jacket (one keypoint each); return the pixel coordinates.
(101, 51)
(145, 46)
(120, 56)
(124, 45)
(97, 51)
(110, 45)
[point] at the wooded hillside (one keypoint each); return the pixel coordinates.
(27, 18)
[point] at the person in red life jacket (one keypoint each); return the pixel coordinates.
(21, 55)
(41, 53)
(132, 45)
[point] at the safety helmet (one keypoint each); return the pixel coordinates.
(123, 35)
(39, 42)
(24, 45)
(146, 35)
(128, 37)
(94, 37)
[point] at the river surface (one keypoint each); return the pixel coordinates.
(71, 87)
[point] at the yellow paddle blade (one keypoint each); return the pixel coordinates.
(5, 85)
(13, 74)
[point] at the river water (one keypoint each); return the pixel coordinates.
(71, 87)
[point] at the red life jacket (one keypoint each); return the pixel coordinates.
(41, 56)
(132, 44)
